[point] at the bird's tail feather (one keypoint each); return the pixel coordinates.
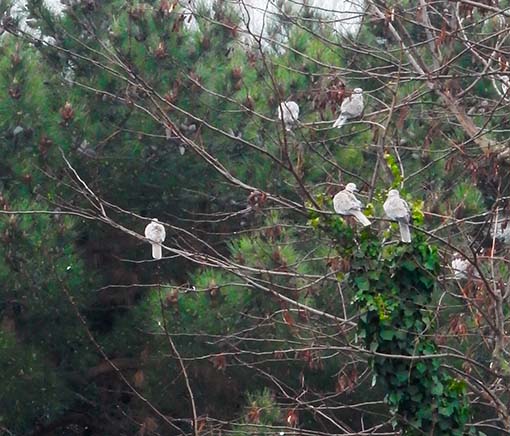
(156, 251)
(360, 216)
(405, 233)
(340, 121)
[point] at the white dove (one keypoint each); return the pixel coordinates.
(288, 112)
(345, 203)
(460, 267)
(352, 107)
(397, 209)
(156, 234)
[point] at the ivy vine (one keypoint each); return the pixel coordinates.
(393, 286)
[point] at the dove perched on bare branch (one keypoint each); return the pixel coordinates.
(460, 267)
(288, 112)
(397, 209)
(156, 234)
(351, 107)
(345, 203)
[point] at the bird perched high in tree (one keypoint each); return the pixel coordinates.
(351, 107)
(346, 203)
(397, 209)
(288, 112)
(155, 233)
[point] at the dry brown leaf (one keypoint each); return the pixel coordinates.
(139, 378)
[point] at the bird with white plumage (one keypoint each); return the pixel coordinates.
(352, 107)
(288, 112)
(346, 203)
(397, 209)
(155, 233)
(460, 267)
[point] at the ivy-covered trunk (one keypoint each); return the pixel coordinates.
(395, 286)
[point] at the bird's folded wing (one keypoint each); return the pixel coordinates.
(396, 209)
(343, 202)
(345, 105)
(404, 209)
(406, 206)
(353, 108)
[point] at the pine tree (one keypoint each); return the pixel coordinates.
(267, 313)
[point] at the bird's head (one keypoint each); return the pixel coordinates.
(357, 91)
(155, 220)
(393, 193)
(351, 187)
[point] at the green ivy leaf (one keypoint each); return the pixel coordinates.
(402, 376)
(408, 265)
(446, 411)
(437, 389)
(387, 335)
(362, 283)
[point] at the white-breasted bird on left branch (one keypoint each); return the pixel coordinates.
(346, 203)
(155, 233)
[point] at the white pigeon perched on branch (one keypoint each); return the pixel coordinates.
(288, 112)
(397, 209)
(156, 234)
(345, 203)
(460, 267)
(351, 107)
